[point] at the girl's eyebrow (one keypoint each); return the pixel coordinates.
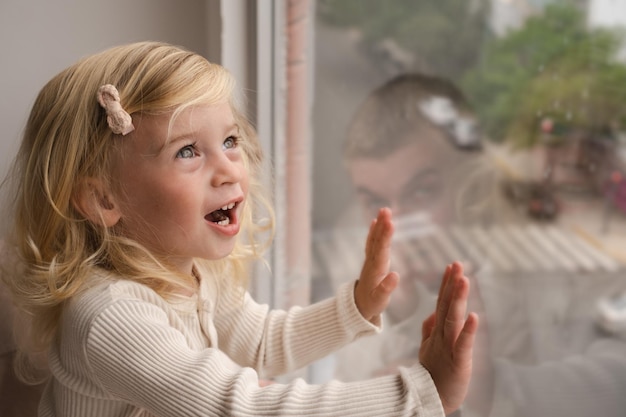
(188, 134)
(168, 143)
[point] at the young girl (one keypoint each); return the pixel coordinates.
(135, 215)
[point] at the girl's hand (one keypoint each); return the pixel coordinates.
(448, 340)
(376, 283)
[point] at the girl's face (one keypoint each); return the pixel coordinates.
(182, 190)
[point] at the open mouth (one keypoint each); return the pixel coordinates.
(223, 216)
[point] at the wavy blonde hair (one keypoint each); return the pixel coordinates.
(67, 138)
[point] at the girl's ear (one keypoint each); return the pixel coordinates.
(95, 201)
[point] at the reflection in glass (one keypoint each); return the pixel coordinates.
(494, 131)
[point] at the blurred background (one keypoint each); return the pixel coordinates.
(518, 63)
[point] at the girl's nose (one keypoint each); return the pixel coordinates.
(227, 171)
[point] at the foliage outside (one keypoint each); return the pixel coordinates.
(428, 30)
(553, 68)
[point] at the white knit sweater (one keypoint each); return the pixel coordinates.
(122, 350)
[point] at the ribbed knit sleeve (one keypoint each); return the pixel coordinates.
(276, 342)
(125, 351)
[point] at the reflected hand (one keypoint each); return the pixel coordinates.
(376, 283)
(448, 339)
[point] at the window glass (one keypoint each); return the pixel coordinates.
(494, 129)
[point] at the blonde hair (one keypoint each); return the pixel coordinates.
(67, 138)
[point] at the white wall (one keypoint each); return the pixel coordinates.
(39, 38)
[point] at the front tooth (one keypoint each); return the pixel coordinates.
(224, 208)
(231, 205)
(224, 222)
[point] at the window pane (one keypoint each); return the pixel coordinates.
(495, 132)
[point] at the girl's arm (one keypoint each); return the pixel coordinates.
(133, 355)
(122, 347)
(277, 342)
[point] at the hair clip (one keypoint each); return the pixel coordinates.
(118, 119)
(463, 130)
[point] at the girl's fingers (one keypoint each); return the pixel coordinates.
(455, 317)
(370, 237)
(444, 282)
(452, 303)
(380, 294)
(377, 231)
(446, 291)
(427, 327)
(383, 231)
(376, 283)
(465, 341)
(390, 283)
(378, 250)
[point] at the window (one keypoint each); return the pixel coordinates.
(495, 132)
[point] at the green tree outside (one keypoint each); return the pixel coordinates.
(553, 68)
(444, 36)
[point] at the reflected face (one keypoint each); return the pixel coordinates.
(182, 190)
(411, 180)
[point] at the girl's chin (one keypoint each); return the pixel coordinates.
(223, 252)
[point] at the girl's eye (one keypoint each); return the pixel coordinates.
(186, 152)
(230, 142)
